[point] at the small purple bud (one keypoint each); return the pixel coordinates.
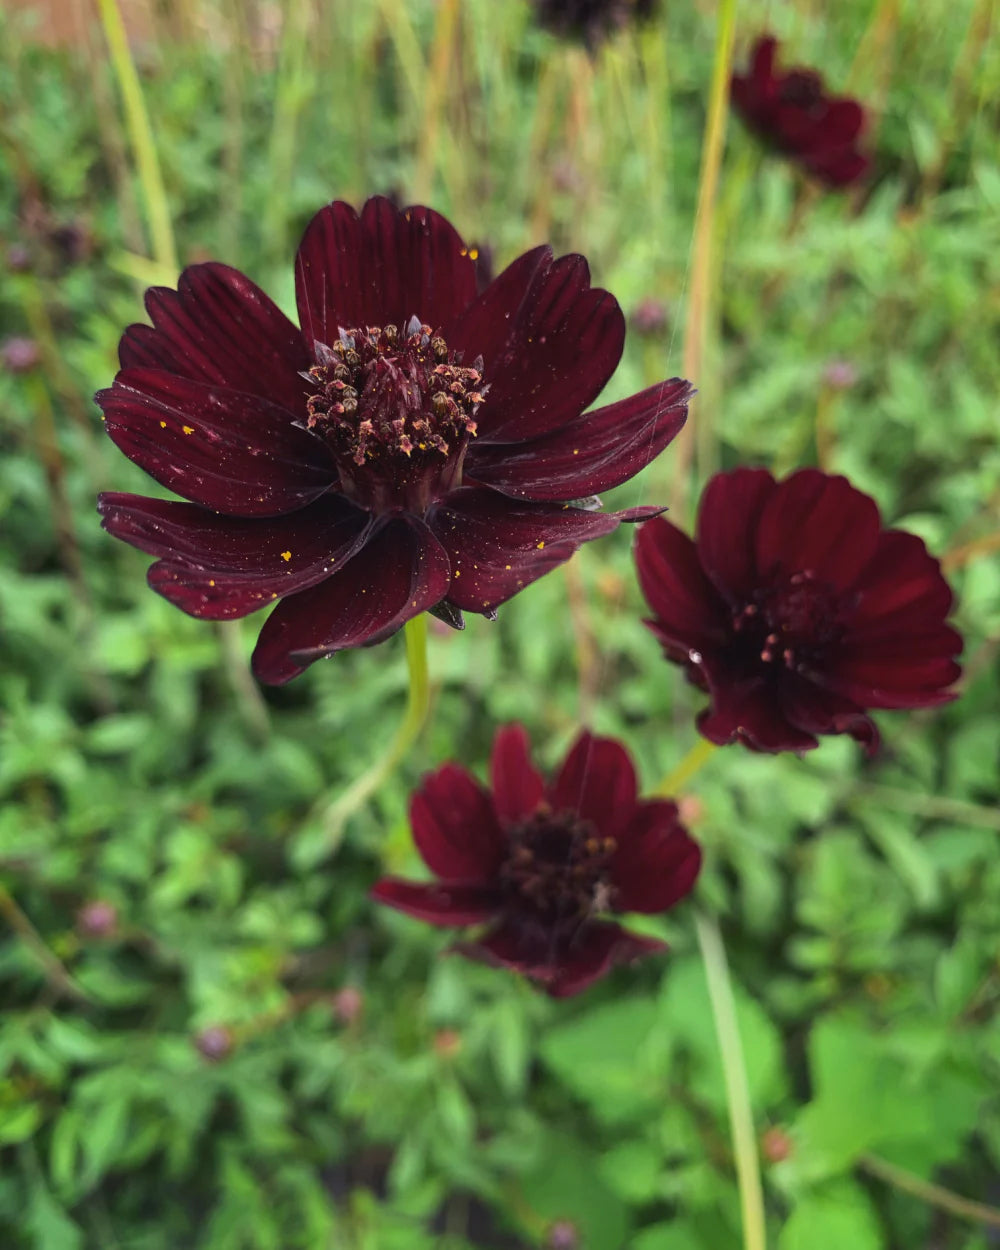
(348, 1005)
(97, 919)
(840, 375)
(563, 1235)
(214, 1043)
(649, 317)
(20, 354)
(18, 258)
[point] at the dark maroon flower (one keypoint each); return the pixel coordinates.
(797, 611)
(415, 446)
(795, 114)
(543, 865)
(591, 20)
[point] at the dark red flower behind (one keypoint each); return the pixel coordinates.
(794, 113)
(543, 865)
(415, 446)
(797, 611)
(592, 20)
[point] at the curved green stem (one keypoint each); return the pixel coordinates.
(55, 973)
(417, 707)
(679, 776)
(744, 1139)
(927, 1191)
(141, 135)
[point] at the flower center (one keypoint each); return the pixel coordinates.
(802, 88)
(398, 409)
(792, 622)
(558, 869)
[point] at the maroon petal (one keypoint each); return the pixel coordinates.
(399, 573)
(901, 583)
(518, 787)
(816, 522)
(819, 711)
(217, 567)
(549, 345)
(231, 452)
(219, 328)
(687, 606)
(839, 168)
(903, 683)
(497, 547)
(446, 905)
(657, 862)
(597, 781)
(749, 710)
(455, 827)
(843, 122)
(728, 515)
(592, 453)
(381, 268)
(561, 972)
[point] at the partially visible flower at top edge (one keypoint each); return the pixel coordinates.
(545, 866)
(795, 114)
(592, 20)
(797, 611)
(414, 447)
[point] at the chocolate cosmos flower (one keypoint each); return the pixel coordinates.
(591, 20)
(541, 865)
(797, 611)
(794, 113)
(414, 446)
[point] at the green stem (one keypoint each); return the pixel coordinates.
(744, 1139)
(140, 134)
(934, 1195)
(701, 248)
(417, 707)
(55, 973)
(680, 775)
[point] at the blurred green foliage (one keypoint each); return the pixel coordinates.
(860, 900)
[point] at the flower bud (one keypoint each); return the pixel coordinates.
(214, 1043)
(348, 1005)
(97, 919)
(20, 354)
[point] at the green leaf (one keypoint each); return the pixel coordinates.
(836, 1217)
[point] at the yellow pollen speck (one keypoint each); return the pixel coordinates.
(473, 253)
(458, 573)
(274, 594)
(188, 429)
(576, 451)
(211, 581)
(507, 567)
(286, 556)
(163, 425)
(540, 546)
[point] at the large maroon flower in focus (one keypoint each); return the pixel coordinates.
(413, 447)
(797, 611)
(541, 865)
(793, 112)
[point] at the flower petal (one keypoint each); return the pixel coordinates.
(233, 453)
(220, 328)
(497, 546)
(381, 268)
(591, 453)
(820, 523)
(568, 969)
(901, 584)
(819, 711)
(517, 785)
(657, 861)
(445, 905)
(549, 345)
(597, 781)
(688, 608)
(399, 573)
(455, 827)
(748, 709)
(217, 568)
(728, 515)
